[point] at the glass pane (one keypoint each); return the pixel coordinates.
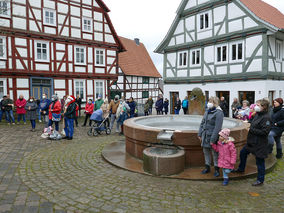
(219, 54)
(224, 58)
(44, 56)
(38, 45)
(184, 59)
(198, 57)
(77, 84)
(234, 52)
(201, 22)
(81, 84)
(240, 51)
(180, 59)
(193, 57)
(1, 50)
(206, 20)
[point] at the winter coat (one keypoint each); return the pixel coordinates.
(71, 110)
(224, 107)
(104, 107)
(89, 108)
(98, 104)
(31, 113)
(54, 107)
(113, 106)
(20, 104)
(150, 102)
(79, 102)
(122, 107)
(185, 104)
(132, 106)
(5, 104)
(210, 126)
(235, 106)
(146, 107)
(257, 139)
(166, 106)
(277, 116)
(227, 154)
(178, 105)
(44, 105)
(159, 104)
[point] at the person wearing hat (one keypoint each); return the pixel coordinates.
(54, 112)
(113, 108)
(69, 116)
(98, 102)
(227, 153)
(257, 141)
(89, 109)
(277, 118)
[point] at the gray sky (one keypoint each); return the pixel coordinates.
(150, 20)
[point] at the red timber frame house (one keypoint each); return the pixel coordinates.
(57, 46)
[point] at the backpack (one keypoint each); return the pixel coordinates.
(184, 103)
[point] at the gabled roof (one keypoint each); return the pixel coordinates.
(136, 60)
(265, 12)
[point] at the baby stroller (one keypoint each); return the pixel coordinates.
(99, 124)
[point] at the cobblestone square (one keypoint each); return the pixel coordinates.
(39, 175)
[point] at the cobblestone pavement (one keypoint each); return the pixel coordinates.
(38, 175)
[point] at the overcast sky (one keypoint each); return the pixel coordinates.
(150, 20)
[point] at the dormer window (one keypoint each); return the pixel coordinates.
(204, 21)
(182, 59)
(49, 17)
(5, 8)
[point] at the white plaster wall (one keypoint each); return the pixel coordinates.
(22, 83)
(109, 38)
(190, 4)
(99, 70)
(180, 39)
(59, 84)
(98, 16)
(25, 93)
(70, 87)
(90, 87)
(251, 44)
(204, 34)
(249, 23)
(172, 58)
(190, 23)
(44, 67)
(234, 11)
(209, 54)
(19, 23)
(219, 14)
(235, 25)
(238, 68)
(256, 66)
(180, 27)
(98, 36)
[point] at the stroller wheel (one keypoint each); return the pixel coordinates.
(90, 132)
(108, 131)
(95, 133)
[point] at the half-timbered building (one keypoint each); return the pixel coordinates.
(138, 76)
(57, 46)
(230, 48)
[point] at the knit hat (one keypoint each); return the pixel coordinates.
(117, 96)
(279, 100)
(252, 106)
(225, 133)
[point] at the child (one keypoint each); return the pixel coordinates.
(227, 154)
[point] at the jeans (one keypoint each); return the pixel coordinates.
(260, 163)
(271, 137)
(112, 119)
(207, 156)
(150, 110)
(69, 127)
(39, 114)
(9, 116)
(50, 123)
(176, 111)
(226, 172)
(1, 115)
(20, 116)
(33, 123)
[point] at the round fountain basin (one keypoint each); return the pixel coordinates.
(163, 161)
(142, 132)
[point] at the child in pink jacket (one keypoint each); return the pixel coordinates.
(227, 154)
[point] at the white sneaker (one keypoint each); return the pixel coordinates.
(40, 121)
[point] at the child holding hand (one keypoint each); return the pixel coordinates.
(227, 154)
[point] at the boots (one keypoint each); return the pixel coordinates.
(279, 154)
(225, 182)
(216, 173)
(206, 170)
(270, 148)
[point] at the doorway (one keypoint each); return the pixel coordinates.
(247, 95)
(40, 86)
(173, 98)
(226, 95)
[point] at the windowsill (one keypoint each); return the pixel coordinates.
(49, 25)
(3, 58)
(195, 65)
(100, 65)
(40, 60)
(87, 31)
(236, 61)
(204, 30)
(80, 64)
(5, 16)
(221, 63)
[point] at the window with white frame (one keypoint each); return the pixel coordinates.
(2, 47)
(80, 88)
(278, 50)
(42, 51)
(4, 7)
(80, 55)
(204, 21)
(87, 24)
(49, 17)
(182, 59)
(99, 88)
(195, 57)
(221, 54)
(237, 52)
(100, 57)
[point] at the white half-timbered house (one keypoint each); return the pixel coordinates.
(57, 46)
(230, 48)
(138, 76)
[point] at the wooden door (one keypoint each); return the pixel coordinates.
(36, 92)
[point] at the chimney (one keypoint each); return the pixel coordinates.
(137, 41)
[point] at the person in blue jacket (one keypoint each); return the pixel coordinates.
(43, 109)
(159, 105)
(132, 104)
(184, 105)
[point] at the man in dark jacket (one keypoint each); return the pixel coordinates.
(2, 107)
(257, 140)
(69, 116)
(8, 108)
(277, 119)
(224, 106)
(132, 104)
(79, 102)
(159, 105)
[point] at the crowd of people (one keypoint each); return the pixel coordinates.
(266, 128)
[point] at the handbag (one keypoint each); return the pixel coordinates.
(56, 117)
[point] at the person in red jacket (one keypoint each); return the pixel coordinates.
(54, 112)
(21, 112)
(77, 113)
(89, 108)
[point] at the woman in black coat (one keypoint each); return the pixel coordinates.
(277, 119)
(257, 141)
